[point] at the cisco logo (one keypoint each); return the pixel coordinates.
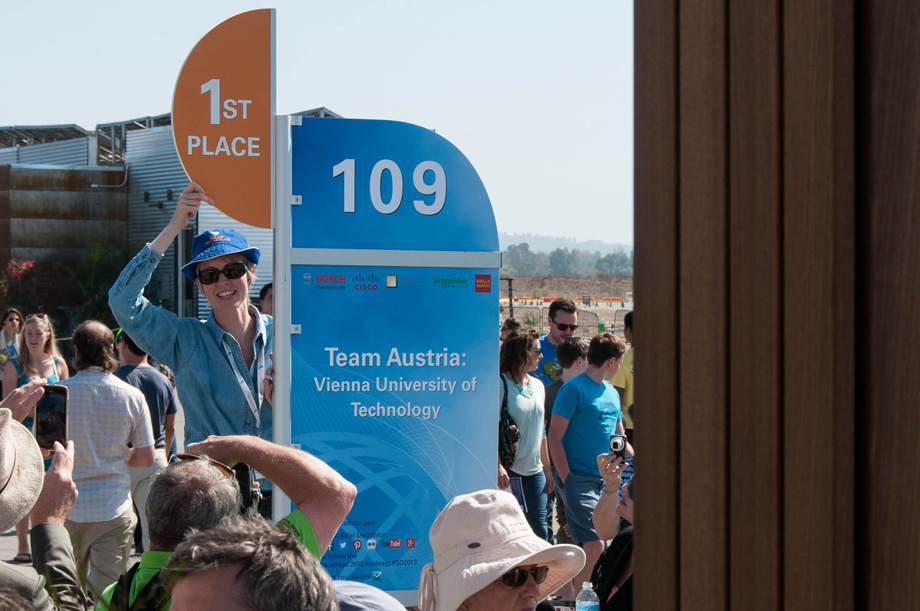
(366, 282)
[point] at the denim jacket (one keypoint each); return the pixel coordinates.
(210, 393)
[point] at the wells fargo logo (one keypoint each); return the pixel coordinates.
(483, 283)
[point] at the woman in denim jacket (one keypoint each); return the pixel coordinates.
(222, 368)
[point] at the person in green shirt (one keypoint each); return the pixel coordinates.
(623, 380)
(200, 494)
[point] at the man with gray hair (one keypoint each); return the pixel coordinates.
(248, 563)
(199, 492)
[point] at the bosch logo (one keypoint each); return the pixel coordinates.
(307, 278)
(331, 279)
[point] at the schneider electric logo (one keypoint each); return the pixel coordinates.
(450, 283)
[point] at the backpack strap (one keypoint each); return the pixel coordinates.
(152, 596)
(122, 591)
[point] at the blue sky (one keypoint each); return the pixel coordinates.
(538, 95)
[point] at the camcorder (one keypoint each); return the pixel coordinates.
(250, 493)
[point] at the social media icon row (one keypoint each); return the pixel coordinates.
(372, 543)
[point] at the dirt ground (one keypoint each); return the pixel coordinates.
(596, 317)
(597, 287)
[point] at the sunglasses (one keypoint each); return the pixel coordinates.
(118, 334)
(40, 315)
(232, 272)
(564, 327)
(535, 350)
(224, 469)
(517, 577)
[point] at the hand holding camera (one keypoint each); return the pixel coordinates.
(611, 467)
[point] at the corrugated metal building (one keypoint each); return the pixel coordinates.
(155, 178)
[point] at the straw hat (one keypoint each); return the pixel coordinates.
(478, 538)
(21, 471)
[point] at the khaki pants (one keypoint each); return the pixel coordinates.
(141, 479)
(102, 549)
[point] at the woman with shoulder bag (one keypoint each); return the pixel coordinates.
(520, 353)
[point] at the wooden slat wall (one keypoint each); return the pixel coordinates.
(703, 142)
(755, 305)
(762, 390)
(888, 338)
(819, 292)
(656, 219)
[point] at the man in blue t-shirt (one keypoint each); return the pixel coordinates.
(563, 320)
(586, 413)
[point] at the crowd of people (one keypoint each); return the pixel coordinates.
(206, 542)
(570, 400)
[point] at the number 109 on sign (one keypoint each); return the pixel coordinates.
(428, 179)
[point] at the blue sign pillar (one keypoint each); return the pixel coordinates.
(394, 347)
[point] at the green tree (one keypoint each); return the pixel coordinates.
(562, 261)
(518, 259)
(615, 264)
(94, 274)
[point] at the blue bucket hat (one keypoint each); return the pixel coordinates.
(216, 243)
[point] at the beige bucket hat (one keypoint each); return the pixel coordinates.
(479, 537)
(21, 471)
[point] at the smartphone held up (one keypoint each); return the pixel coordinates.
(50, 418)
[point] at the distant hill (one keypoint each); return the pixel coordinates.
(547, 244)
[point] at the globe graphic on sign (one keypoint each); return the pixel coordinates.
(396, 501)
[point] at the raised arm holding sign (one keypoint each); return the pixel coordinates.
(220, 364)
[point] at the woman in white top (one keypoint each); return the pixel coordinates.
(9, 333)
(520, 353)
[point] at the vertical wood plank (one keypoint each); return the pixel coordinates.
(703, 306)
(819, 293)
(889, 314)
(755, 297)
(656, 217)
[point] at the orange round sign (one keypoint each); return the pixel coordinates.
(223, 115)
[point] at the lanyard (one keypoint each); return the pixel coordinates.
(260, 375)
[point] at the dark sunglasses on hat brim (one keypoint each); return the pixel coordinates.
(224, 469)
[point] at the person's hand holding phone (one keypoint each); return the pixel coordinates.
(22, 400)
(59, 492)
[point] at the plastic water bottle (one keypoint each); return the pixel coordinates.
(587, 600)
